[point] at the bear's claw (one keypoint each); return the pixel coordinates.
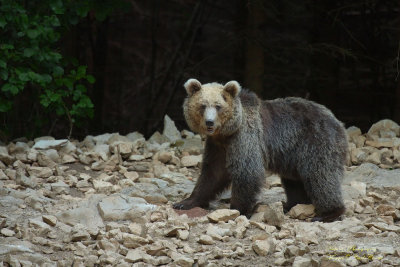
(188, 204)
(178, 206)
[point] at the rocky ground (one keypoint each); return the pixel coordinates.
(106, 201)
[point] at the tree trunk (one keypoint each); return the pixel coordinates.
(254, 54)
(99, 65)
(396, 115)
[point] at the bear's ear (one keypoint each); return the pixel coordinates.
(192, 86)
(233, 88)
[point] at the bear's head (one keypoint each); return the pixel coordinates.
(213, 108)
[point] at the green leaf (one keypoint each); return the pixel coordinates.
(3, 75)
(8, 87)
(6, 47)
(32, 75)
(90, 79)
(77, 94)
(85, 102)
(3, 22)
(60, 110)
(25, 21)
(46, 78)
(5, 105)
(58, 71)
(59, 81)
(73, 20)
(3, 64)
(44, 100)
(56, 56)
(81, 88)
(54, 97)
(28, 52)
(57, 7)
(24, 76)
(33, 33)
(54, 21)
(81, 71)
(69, 83)
(82, 10)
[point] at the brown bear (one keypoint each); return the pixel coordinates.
(297, 139)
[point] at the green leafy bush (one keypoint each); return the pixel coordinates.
(30, 59)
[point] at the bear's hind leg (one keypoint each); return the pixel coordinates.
(295, 193)
(330, 216)
(326, 195)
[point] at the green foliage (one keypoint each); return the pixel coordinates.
(30, 57)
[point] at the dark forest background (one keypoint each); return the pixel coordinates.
(343, 54)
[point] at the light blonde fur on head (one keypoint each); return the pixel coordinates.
(212, 95)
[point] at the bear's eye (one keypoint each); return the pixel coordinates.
(203, 107)
(218, 107)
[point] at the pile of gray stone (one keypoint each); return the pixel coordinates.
(380, 145)
(106, 201)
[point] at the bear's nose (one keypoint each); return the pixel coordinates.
(209, 123)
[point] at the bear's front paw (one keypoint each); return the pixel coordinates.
(330, 216)
(186, 204)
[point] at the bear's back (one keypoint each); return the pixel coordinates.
(299, 114)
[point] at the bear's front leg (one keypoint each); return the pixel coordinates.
(213, 179)
(245, 163)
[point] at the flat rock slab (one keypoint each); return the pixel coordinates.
(47, 144)
(223, 215)
(374, 177)
(193, 213)
(191, 161)
(6, 249)
(86, 214)
(118, 207)
(83, 215)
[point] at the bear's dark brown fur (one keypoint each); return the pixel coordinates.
(298, 139)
